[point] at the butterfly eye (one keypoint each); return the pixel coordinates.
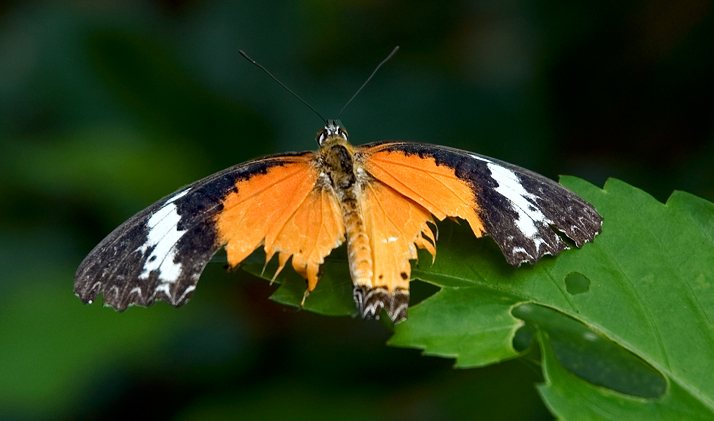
(321, 136)
(342, 133)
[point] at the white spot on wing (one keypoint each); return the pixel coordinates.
(163, 236)
(523, 202)
(178, 196)
(371, 310)
(520, 250)
(188, 290)
(163, 287)
(401, 308)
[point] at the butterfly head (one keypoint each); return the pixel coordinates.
(332, 130)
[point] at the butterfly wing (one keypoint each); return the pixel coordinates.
(395, 226)
(160, 253)
(517, 207)
(293, 211)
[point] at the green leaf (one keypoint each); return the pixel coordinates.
(569, 397)
(642, 292)
(456, 319)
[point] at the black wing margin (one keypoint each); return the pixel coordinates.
(159, 253)
(519, 208)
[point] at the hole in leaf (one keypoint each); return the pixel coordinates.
(587, 354)
(576, 283)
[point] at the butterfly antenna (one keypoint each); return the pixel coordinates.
(283, 85)
(394, 51)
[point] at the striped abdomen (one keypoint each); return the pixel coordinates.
(359, 252)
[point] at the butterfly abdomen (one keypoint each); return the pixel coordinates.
(359, 251)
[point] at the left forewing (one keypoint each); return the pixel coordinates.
(160, 252)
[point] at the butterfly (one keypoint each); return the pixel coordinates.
(381, 198)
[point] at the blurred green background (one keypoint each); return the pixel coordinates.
(107, 106)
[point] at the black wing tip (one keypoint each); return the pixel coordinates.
(84, 299)
(590, 226)
(579, 234)
(86, 291)
(371, 301)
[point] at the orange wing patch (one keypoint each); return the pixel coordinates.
(284, 210)
(434, 187)
(395, 225)
(309, 235)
